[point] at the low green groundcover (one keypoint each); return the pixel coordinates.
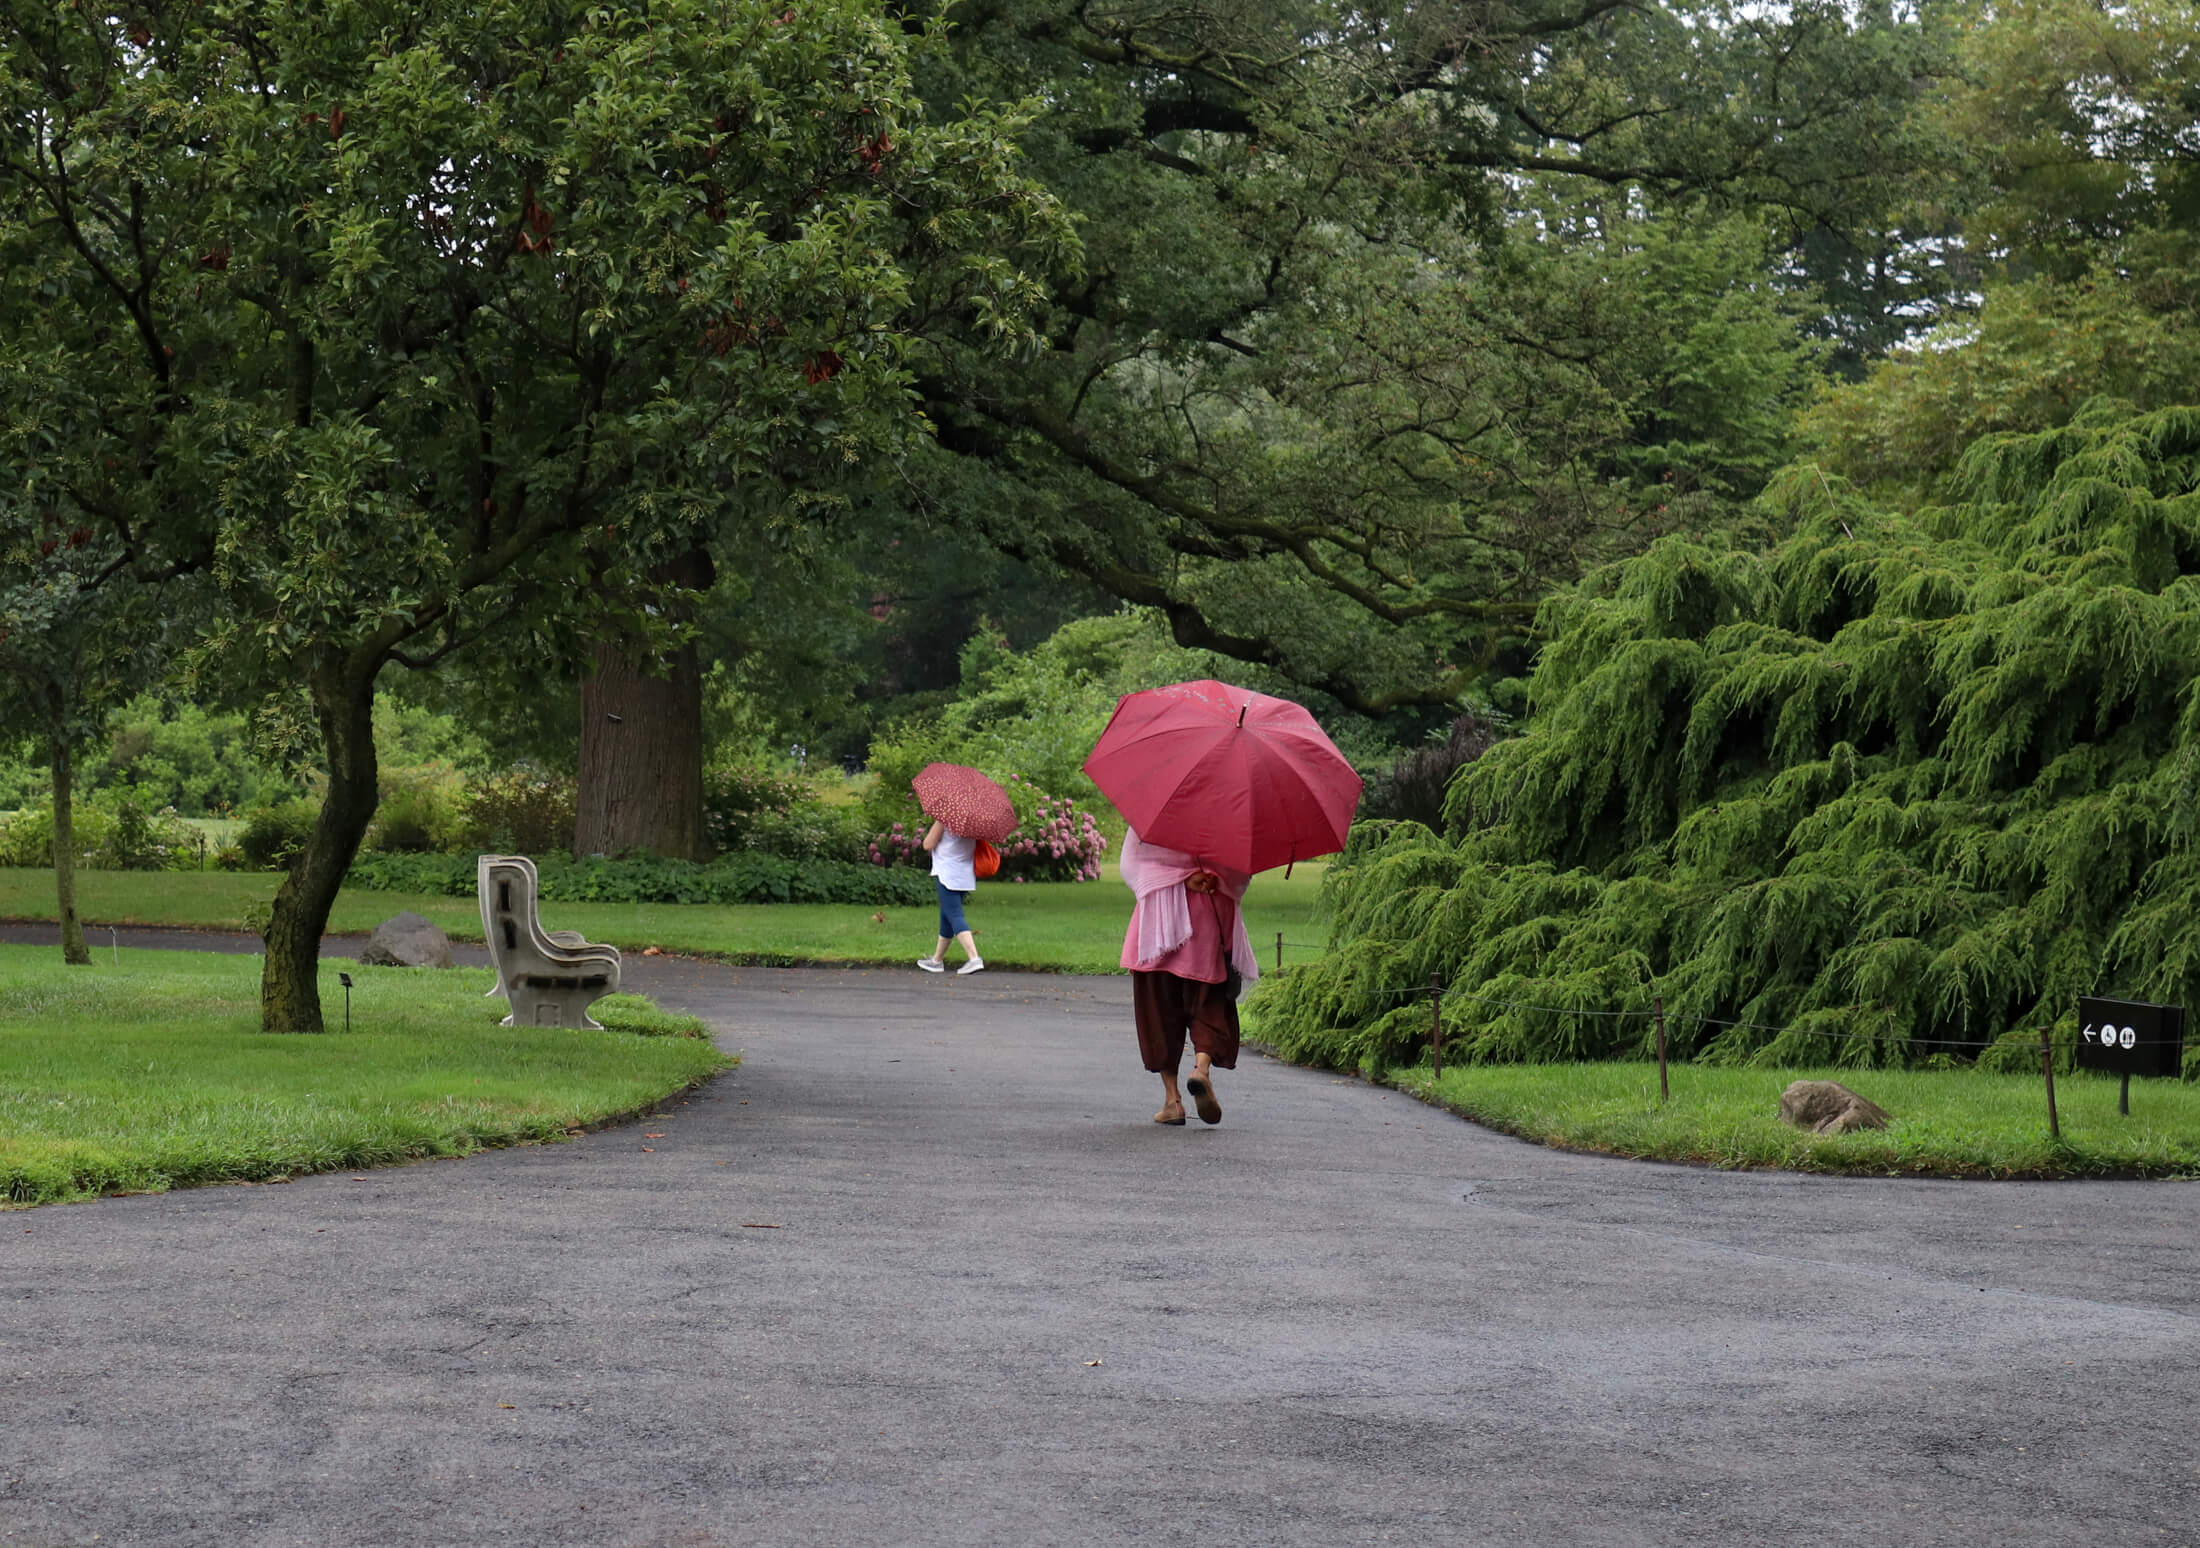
(151, 1072)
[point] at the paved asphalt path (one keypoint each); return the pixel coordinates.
(921, 1271)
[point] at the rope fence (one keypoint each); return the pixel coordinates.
(1436, 993)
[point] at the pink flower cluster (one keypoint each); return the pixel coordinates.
(1054, 842)
(899, 845)
(1057, 842)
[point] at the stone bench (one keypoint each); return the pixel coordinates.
(548, 977)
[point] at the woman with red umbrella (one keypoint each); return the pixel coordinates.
(1189, 958)
(965, 806)
(1216, 782)
(954, 878)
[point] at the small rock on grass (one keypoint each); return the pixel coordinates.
(407, 941)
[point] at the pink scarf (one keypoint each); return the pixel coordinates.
(1163, 917)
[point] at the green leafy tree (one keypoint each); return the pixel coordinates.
(2037, 349)
(77, 637)
(1901, 788)
(2078, 121)
(417, 327)
(1391, 319)
(2085, 122)
(1034, 713)
(1386, 312)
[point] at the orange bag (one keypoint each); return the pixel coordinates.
(987, 860)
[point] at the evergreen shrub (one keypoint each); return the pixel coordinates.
(521, 811)
(420, 810)
(275, 834)
(1896, 792)
(766, 811)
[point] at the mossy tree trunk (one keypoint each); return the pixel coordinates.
(73, 949)
(290, 983)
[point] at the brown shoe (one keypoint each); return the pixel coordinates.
(1200, 1087)
(1171, 1114)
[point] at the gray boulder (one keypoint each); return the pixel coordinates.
(1828, 1107)
(407, 941)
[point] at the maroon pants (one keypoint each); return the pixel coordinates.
(1168, 1006)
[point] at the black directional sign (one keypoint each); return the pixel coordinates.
(2130, 1037)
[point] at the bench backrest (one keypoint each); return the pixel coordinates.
(507, 885)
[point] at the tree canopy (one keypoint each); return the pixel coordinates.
(2078, 211)
(411, 327)
(1386, 314)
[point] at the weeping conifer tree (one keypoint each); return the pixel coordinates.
(1897, 791)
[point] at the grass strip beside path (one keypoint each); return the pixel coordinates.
(154, 1074)
(1069, 927)
(1946, 1123)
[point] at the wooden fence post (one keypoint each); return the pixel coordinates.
(1436, 1022)
(1658, 1000)
(2047, 1068)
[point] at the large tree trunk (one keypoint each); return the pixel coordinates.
(290, 982)
(641, 768)
(641, 774)
(73, 949)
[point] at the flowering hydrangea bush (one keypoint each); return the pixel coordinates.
(902, 844)
(1053, 841)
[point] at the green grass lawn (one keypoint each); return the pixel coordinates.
(153, 1074)
(218, 831)
(1074, 927)
(1946, 1123)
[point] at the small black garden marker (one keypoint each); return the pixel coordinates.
(2047, 1068)
(2130, 1037)
(345, 980)
(1658, 1000)
(1279, 951)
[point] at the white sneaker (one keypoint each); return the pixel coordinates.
(932, 964)
(974, 965)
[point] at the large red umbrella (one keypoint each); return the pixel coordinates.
(965, 800)
(1225, 774)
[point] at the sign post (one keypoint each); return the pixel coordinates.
(2130, 1037)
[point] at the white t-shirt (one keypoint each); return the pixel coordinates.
(954, 862)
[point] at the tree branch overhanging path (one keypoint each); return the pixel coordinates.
(1283, 210)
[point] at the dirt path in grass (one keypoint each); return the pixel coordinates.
(922, 1272)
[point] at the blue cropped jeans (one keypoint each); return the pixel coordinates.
(952, 922)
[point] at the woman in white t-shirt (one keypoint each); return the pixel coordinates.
(954, 874)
